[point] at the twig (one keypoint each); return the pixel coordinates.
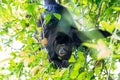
(99, 13)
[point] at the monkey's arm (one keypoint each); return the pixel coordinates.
(91, 35)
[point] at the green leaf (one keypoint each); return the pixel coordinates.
(97, 69)
(82, 76)
(85, 76)
(74, 73)
(0, 48)
(98, 2)
(80, 62)
(10, 9)
(116, 8)
(116, 56)
(119, 76)
(58, 16)
(30, 8)
(4, 1)
(65, 75)
(13, 54)
(75, 1)
(72, 59)
(81, 58)
(108, 26)
(48, 18)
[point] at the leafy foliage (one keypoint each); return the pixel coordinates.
(25, 60)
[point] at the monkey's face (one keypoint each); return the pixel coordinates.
(61, 49)
(63, 46)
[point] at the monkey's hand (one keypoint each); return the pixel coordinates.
(44, 41)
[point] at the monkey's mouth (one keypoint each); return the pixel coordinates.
(61, 54)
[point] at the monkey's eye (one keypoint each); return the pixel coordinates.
(63, 46)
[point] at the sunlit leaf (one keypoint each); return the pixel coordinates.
(83, 2)
(116, 24)
(34, 70)
(31, 62)
(58, 16)
(75, 72)
(90, 45)
(4, 1)
(48, 18)
(98, 69)
(65, 74)
(72, 59)
(0, 48)
(6, 59)
(23, 54)
(30, 8)
(81, 58)
(107, 26)
(82, 76)
(13, 54)
(75, 1)
(85, 76)
(116, 56)
(116, 8)
(28, 60)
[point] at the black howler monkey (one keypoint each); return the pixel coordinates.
(62, 33)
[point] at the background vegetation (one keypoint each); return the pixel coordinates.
(25, 60)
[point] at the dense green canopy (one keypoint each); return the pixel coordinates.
(20, 54)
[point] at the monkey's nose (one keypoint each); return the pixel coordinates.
(62, 52)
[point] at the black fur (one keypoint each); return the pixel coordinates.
(62, 34)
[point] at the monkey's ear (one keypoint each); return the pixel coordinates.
(44, 41)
